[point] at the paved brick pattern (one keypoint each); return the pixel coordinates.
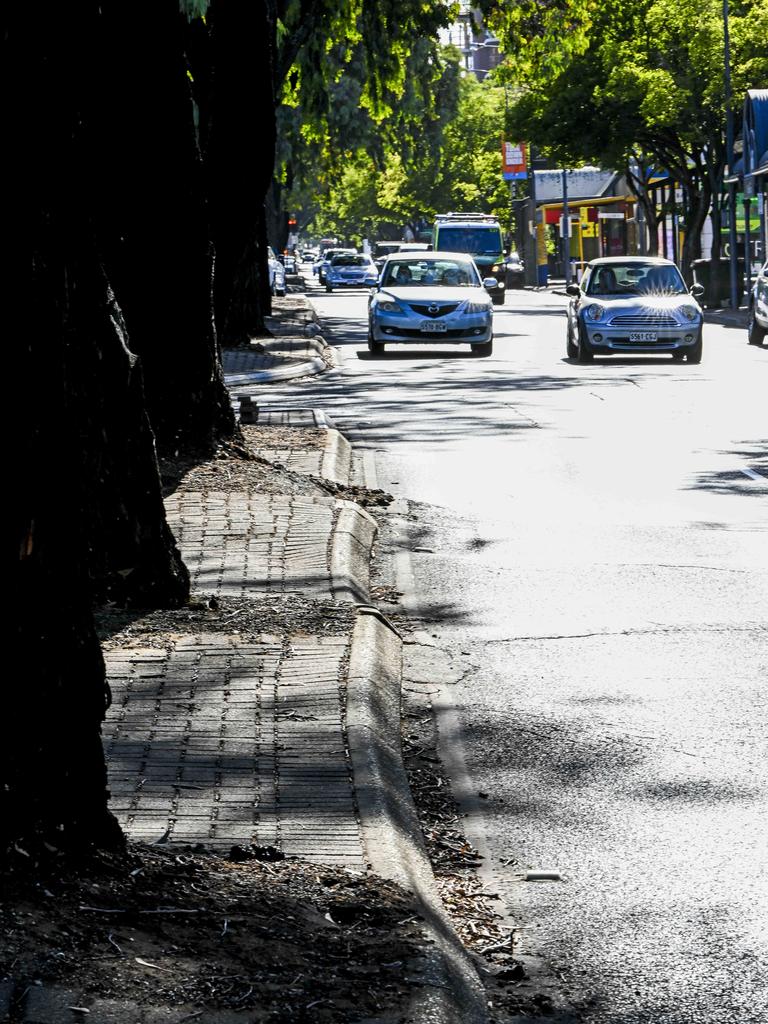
(220, 741)
(301, 460)
(243, 543)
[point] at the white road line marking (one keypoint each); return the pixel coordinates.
(755, 476)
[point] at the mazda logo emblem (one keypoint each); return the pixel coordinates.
(433, 309)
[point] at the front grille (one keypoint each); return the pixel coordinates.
(643, 320)
(410, 332)
(441, 311)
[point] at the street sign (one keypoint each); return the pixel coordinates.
(513, 161)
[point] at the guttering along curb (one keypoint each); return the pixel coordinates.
(451, 989)
(350, 555)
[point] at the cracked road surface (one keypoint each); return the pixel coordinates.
(589, 555)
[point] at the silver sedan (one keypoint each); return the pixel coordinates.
(629, 304)
(431, 297)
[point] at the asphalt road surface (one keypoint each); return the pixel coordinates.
(590, 563)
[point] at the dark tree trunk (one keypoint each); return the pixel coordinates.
(277, 216)
(698, 207)
(85, 508)
(239, 160)
(153, 222)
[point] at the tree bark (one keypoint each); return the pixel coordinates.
(156, 237)
(85, 510)
(239, 163)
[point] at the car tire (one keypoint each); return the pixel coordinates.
(571, 348)
(584, 353)
(755, 333)
(486, 349)
(498, 300)
(693, 355)
(280, 292)
(329, 288)
(376, 348)
(678, 355)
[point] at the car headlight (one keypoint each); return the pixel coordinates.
(389, 306)
(594, 312)
(477, 307)
(689, 312)
(495, 268)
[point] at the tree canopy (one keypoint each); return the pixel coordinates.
(632, 85)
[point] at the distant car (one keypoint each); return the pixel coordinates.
(757, 320)
(383, 249)
(414, 247)
(289, 262)
(514, 271)
(351, 271)
(276, 273)
(628, 304)
(431, 297)
(322, 264)
(309, 255)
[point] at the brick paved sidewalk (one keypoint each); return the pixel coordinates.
(215, 739)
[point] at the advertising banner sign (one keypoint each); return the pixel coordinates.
(513, 161)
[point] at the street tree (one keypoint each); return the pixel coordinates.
(639, 87)
(86, 512)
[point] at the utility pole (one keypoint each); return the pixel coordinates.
(732, 253)
(532, 255)
(566, 230)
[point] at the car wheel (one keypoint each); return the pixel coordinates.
(280, 292)
(376, 348)
(755, 333)
(498, 300)
(571, 348)
(584, 353)
(693, 355)
(329, 288)
(486, 349)
(677, 356)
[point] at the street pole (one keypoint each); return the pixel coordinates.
(566, 230)
(732, 253)
(532, 255)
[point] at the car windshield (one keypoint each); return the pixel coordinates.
(441, 273)
(472, 239)
(350, 261)
(635, 278)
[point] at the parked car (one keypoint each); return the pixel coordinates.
(514, 275)
(757, 321)
(289, 262)
(351, 271)
(321, 266)
(431, 297)
(276, 273)
(634, 304)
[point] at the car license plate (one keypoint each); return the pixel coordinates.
(433, 327)
(643, 336)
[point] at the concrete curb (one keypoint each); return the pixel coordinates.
(319, 355)
(306, 369)
(450, 989)
(337, 457)
(351, 545)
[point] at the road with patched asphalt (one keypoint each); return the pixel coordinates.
(588, 564)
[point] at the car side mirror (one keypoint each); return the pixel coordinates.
(697, 290)
(574, 290)
(489, 283)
